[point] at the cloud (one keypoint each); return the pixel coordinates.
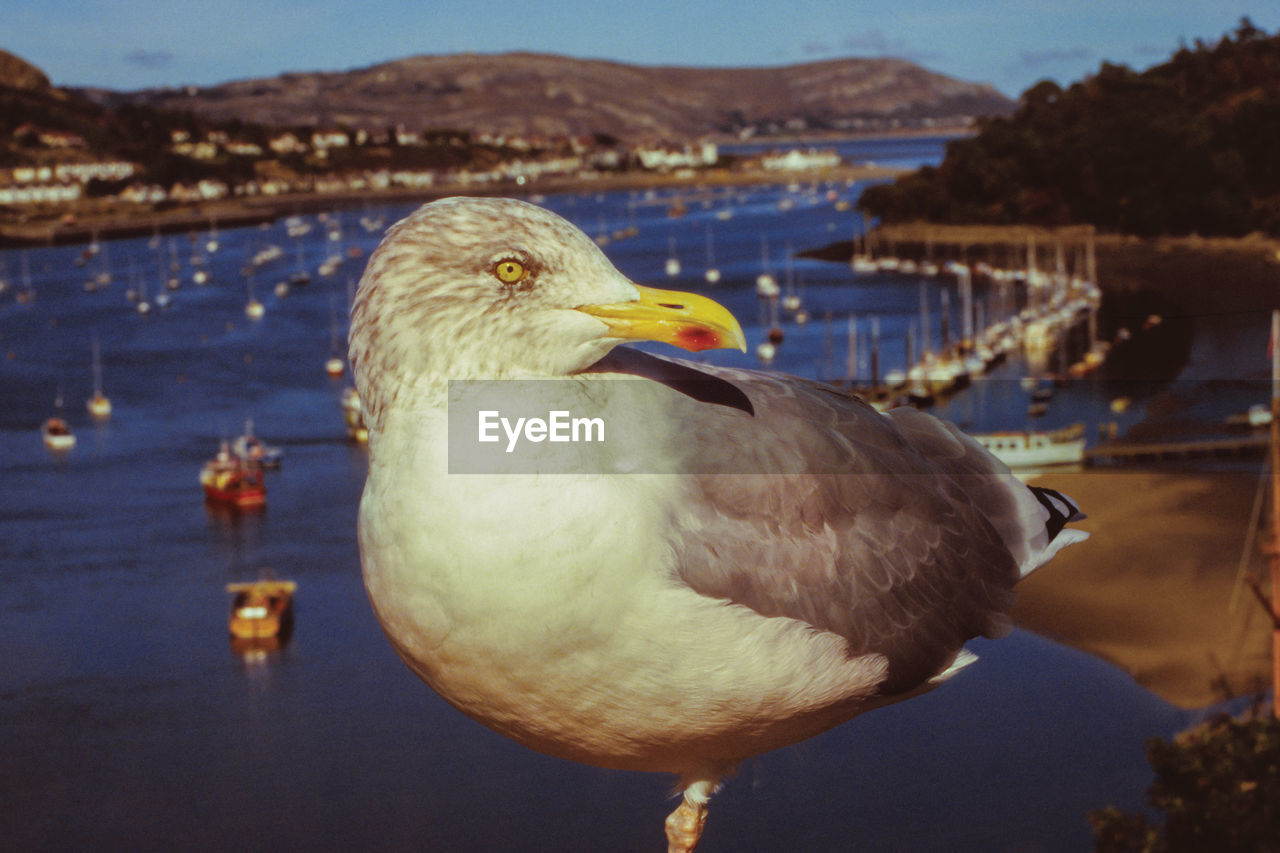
(815, 48)
(149, 58)
(1036, 58)
(873, 41)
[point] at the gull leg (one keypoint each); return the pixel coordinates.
(684, 825)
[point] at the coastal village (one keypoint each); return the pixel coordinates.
(71, 181)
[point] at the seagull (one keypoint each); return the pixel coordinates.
(748, 560)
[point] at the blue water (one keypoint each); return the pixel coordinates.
(904, 152)
(127, 722)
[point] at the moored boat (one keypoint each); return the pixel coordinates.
(57, 435)
(1258, 415)
(254, 450)
(1035, 449)
(99, 405)
(353, 416)
(261, 609)
(233, 481)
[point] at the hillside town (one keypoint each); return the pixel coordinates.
(77, 175)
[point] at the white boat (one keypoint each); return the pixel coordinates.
(766, 286)
(791, 300)
(353, 415)
(57, 435)
(253, 309)
(712, 274)
(335, 366)
(1256, 416)
(254, 450)
(265, 256)
(1033, 449)
(672, 266)
(55, 432)
(99, 405)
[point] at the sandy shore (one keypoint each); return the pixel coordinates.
(1151, 590)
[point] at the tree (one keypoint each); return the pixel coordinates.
(1184, 147)
(1218, 785)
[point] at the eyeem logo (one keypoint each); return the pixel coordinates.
(539, 426)
(558, 426)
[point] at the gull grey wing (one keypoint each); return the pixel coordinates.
(817, 508)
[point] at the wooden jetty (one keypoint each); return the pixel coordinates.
(1119, 453)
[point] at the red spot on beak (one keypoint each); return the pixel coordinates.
(696, 338)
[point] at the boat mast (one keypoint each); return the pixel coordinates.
(1273, 548)
(851, 357)
(97, 368)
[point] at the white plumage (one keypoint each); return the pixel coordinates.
(810, 558)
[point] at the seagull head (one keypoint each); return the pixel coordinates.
(489, 288)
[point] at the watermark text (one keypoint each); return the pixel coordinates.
(558, 426)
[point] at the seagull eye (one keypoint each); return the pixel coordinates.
(509, 271)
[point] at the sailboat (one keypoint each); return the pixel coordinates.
(162, 297)
(334, 366)
(55, 432)
(672, 266)
(99, 404)
(253, 309)
(766, 284)
(353, 415)
(775, 333)
(300, 275)
(27, 294)
(100, 277)
(861, 261)
(142, 306)
(791, 300)
(713, 272)
(211, 245)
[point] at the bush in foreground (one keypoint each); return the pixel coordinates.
(1218, 785)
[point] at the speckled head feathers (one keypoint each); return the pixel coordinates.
(477, 288)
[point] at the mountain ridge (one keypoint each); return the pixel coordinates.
(544, 95)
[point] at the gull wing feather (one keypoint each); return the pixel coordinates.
(895, 532)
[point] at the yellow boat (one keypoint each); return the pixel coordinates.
(261, 609)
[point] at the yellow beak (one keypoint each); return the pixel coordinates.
(686, 320)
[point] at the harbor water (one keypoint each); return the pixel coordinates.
(128, 721)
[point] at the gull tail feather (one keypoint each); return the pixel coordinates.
(1061, 511)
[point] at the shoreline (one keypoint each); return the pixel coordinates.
(1153, 590)
(106, 219)
(1194, 274)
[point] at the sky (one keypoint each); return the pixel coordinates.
(1009, 44)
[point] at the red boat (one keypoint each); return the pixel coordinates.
(231, 480)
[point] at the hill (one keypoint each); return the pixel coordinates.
(535, 95)
(1188, 146)
(17, 73)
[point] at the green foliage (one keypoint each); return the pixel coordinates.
(1186, 146)
(1218, 786)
